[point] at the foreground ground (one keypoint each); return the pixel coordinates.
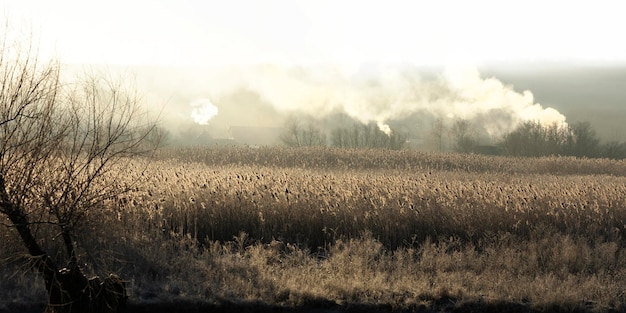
(326, 230)
(325, 306)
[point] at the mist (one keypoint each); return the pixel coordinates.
(403, 96)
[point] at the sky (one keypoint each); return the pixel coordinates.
(209, 33)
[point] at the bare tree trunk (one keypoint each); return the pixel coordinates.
(69, 290)
(58, 144)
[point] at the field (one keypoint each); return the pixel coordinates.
(374, 230)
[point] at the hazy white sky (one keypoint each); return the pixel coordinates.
(189, 32)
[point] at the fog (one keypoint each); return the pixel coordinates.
(207, 68)
(402, 96)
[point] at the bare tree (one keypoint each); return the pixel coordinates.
(582, 141)
(437, 132)
(58, 145)
(299, 133)
(358, 135)
(534, 139)
(463, 139)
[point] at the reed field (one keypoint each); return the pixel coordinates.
(325, 227)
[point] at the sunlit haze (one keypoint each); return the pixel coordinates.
(236, 32)
(254, 62)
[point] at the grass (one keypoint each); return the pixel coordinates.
(369, 229)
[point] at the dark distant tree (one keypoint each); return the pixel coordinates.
(159, 136)
(299, 133)
(339, 137)
(462, 139)
(522, 141)
(360, 135)
(555, 137)
(59, 146)
(438, 131)
(533, 139)
(582, 141)
(613, 150)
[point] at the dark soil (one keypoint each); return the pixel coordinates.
(326, 306)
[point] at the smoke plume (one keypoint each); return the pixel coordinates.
(381, 94)
(202, 111)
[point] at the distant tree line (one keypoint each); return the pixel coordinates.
(530, 139)
(298, 133)
(578, 139)
(366, 136)
(306, 133)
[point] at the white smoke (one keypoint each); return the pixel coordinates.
(385, 128)
(475, 96)
(202, 111)
(379, 94)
